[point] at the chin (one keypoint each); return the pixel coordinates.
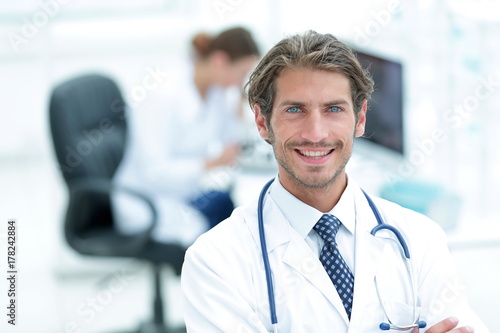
(316, 183)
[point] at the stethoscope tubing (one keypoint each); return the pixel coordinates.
(265, 257)
(382, 225)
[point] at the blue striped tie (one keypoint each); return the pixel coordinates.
(340, 274)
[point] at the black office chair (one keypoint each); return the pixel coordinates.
(89, 132)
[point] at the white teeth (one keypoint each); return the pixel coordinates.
(314, 154)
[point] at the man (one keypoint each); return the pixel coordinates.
(329, 273)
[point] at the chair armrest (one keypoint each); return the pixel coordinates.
(105, 186)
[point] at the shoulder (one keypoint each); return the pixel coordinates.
(220, 254)
(230, 239)
(405, 218)
(391, 213)
(424, 236)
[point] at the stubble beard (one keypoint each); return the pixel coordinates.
(300, 182)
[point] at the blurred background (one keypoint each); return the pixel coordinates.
(442, 158)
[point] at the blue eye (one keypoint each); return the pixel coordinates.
(334, 109)
(294, 109)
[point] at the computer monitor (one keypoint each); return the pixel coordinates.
(384, 125)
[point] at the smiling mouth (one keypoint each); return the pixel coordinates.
(315, 155)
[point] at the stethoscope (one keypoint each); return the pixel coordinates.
(385, 326)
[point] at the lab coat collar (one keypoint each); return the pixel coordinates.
(277, 228)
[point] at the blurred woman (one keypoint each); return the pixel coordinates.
(180, 133)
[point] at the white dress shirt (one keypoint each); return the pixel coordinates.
(303, 217)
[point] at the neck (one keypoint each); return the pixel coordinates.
(324, 198)
(201, 78)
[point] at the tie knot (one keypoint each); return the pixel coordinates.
(327, 227)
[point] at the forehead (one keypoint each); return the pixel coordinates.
(312, 85)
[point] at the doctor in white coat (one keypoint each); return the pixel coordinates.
(310, 95)
(180, 133)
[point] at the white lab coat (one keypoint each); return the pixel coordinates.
(171, 134)
(224, 283)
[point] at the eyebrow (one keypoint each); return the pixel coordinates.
(297, 103)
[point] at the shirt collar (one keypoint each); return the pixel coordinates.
(303, 217)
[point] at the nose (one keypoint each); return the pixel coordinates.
(314, 128)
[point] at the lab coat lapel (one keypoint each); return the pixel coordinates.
(275, 225)
(301, 258)
(297, 254)
(369, 251)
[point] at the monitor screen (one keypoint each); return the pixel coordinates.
(384, 125)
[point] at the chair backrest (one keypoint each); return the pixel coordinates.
(89, 132)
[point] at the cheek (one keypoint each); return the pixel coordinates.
(226, 79)
(224, 76)
(237, 78)
(280, 137)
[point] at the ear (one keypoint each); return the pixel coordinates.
(260, 121)
(360, 126)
